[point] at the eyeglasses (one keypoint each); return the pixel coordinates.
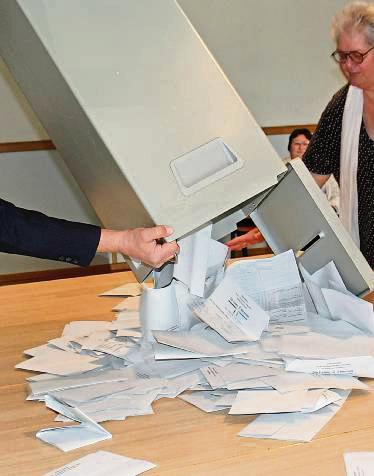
(354, 56)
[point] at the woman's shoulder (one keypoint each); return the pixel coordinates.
(338, 99)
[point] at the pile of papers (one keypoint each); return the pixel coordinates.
(263, 344)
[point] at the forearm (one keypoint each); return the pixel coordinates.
(321, 179)
(31, 233)
(145, 244)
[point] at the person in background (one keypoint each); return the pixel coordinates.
(31, 233)
(297, 145)
(343, 144)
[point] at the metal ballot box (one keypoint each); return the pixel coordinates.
(152, 129)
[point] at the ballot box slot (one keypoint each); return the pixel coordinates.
(309, 244)
(204, 165)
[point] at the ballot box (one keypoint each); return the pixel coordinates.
(153, 131)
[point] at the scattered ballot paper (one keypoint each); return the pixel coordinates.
(233, 313)
(360, 463)
(202, 340)
(352, 309)
(192, 264)
(356, 366)
(268, 401)
(274, 283)
(58, 362)
(103, 463)
(71, 437)
(295, 426)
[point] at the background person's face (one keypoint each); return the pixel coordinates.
(298, 146)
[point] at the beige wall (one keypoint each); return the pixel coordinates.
(17, 120)
(275, 52)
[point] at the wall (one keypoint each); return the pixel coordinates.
(275, 52)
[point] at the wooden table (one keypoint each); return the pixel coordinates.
(179, 438)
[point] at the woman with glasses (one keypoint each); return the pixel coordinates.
(343, 144)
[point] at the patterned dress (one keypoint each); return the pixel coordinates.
(323, 157)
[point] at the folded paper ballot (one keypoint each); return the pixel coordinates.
(314, 346)
(72, 437)
(293, 426)
(58, 362)
(268, 401)
(45, 385)
(231, 312)
(356, 366)
(205, 400)
(103, 463)
(202, 339)
(275, 284)
(199, 258)
(350, 308)
(221, 377)
(290, 381)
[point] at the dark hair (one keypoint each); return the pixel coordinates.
(298, 132)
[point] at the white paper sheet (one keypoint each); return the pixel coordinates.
(158, 310)
(221, 377)
(356, 311)
(71, 437)
(289, 381)
(74, 396)
(192, 264)
(233, 313)
(84, 328)
(267, 401)
(202, 340)
(59, 362)
(293, 426)
(275, 284)
(103, 463)
(356, 366)
(45, 385)
(204, 400)
(317, 346)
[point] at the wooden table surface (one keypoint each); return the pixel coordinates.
(179, 438)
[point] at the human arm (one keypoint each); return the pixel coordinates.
(320, 179)
(146, 244)
(31, 233)
(252, 237)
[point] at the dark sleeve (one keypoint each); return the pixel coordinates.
(30, 233)
(323, 154)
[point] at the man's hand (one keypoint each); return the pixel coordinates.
(251, 238)
(145, 244)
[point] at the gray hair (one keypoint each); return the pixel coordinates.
(356, 17)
